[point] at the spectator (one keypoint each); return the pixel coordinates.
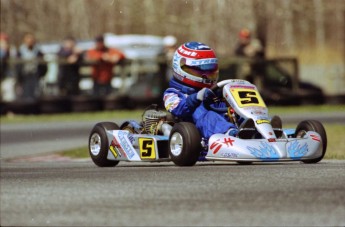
(70, 58)
(251, 48)
(32, 69)
(4, 55)
(104, 59)
(248, 46)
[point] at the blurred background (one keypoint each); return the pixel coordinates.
(297, 57)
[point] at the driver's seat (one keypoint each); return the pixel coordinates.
(247, 129)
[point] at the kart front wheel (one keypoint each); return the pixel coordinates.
(99, 145)
(184, 144)
(315, 126)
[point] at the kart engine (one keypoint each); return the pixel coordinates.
(152, 120)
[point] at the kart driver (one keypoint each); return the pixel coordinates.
(195, 70)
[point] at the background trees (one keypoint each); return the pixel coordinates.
(312, 30)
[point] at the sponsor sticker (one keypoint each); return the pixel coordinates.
(187, 52)
(262, 121)
(315, 137)
(217, 145)
(194, 62)
(125, 145)
(171, 101)
(230, 155)
(115, 148)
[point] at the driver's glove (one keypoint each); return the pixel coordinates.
(205, 94)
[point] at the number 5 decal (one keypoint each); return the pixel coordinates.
(248, 97)
(245, 97)
(147, 148)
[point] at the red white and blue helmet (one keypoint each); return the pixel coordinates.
(195, 65)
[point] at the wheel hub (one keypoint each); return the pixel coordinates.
(95, 144)
(176, 144)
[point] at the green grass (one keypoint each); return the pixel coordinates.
(81, 152)
(305, 109)
(336, 141)
(86, 116)
(135, 114)
(335, 147)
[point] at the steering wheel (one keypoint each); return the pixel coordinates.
(215, 88)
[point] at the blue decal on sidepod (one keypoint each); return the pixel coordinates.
(297, 151)
(265, 151)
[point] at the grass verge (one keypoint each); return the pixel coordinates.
(81, 152)
(135, 114)
(336, 142)
(66, 117)
(335, 147)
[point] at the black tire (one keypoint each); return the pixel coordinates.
(98, 137)
(184, 144)
(316, 126)
(244, 163)
(128, 126)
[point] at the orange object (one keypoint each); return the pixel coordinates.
(3, 36)
(102, 70)
(244, 33)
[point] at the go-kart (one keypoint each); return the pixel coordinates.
(161, 137)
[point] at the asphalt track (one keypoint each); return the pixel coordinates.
(208, 194)
(65, 193)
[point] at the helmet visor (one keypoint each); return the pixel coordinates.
(207, 71)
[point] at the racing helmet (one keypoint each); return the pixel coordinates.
(195, 65)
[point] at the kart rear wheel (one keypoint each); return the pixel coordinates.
(316, 126)
(184, 144)
(99, 145)
(128, 127)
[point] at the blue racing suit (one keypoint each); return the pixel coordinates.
(182, 102)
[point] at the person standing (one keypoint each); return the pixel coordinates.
(70, 58)
(103, 59)
(4, 55)
(248, 46)
(31, 69)
(251, 49)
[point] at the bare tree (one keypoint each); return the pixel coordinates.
(284, 26)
